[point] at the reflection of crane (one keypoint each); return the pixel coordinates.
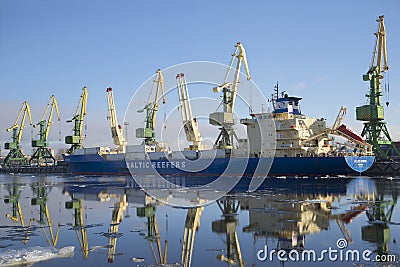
(148, 133)
(79, 225)
(375, 130)
(17, 215)
(41, 201)
(379, 215)
(192, 224)
(116, 219)
(116, 129)
(190, 124)
(76, 140)
(227, 225)
(226, 119)
(15, 154)
(152, 233)
(345, 218)
(43, 151)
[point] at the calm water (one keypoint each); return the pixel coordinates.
(110, 222)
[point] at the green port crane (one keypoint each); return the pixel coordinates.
(15, 156)
(148, 133)
(375, 130)
(225, 119)
(76, 140)
(43, 152)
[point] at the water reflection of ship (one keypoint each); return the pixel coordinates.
(288, 221)
(287, 213)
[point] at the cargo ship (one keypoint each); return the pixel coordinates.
(280, 142)
(301, 146)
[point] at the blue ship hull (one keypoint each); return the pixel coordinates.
(95, 164)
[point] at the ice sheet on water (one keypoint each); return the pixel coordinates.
(31, 255)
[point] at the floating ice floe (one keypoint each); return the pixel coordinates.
(32, 255)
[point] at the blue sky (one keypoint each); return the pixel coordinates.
(317, 50)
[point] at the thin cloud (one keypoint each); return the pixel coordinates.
(320, 79)
(299, 86)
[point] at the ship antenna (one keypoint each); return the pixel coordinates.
(276, 89)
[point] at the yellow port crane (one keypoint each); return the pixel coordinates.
(148, 133)
(76, 140)
(42, 151)
(190, 124)
(225, 119)
(15, 155)
(116, 129)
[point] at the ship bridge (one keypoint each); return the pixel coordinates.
(287, 104)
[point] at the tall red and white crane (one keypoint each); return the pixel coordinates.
(116, 129)
(190, 124)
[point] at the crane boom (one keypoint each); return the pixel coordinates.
(148, 133)
(380, 47)
(116, 129)
(43, 151)
(15, 154)
(190, 124)
(339, 118)
(76, 140)
(229, 91)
